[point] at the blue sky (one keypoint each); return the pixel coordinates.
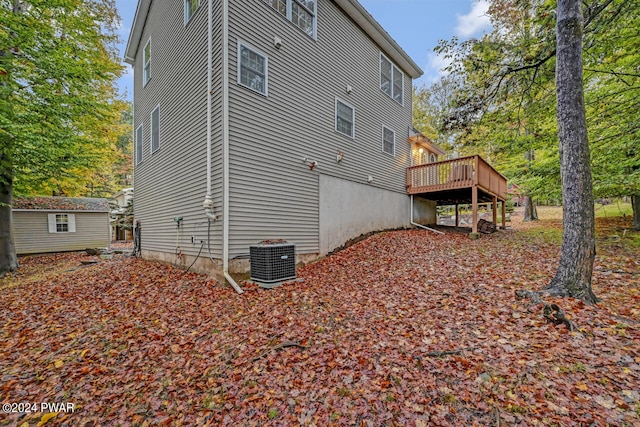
(416, 25)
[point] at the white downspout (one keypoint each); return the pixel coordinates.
(208, 201)
(420, 225)
(225, 146)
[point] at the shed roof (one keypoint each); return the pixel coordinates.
(90, 204)
(352, 8)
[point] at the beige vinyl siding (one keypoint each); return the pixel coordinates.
(31, 232)
(172, 182)
(273, 193)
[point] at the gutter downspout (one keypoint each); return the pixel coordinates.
(420, 225)
(225, 145)
(208, 200)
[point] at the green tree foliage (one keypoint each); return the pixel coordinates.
(431, 107)
(58, 65)
(504, 108)
(123, 165)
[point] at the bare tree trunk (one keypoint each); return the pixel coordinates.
(635, 205)
(573, 277)
(8, 258)
(530, 211)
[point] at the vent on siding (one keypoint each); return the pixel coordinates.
(272, 262)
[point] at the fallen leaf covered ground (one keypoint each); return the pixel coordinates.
(406, 328)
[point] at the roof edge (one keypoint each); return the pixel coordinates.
(142, 10)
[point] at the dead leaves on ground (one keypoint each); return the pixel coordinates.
(405, 328)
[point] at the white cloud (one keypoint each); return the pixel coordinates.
(435, 65)
(474, 21)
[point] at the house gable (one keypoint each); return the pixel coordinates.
(352, 8)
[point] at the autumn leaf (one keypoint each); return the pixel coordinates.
(403, 328)
(46, 417)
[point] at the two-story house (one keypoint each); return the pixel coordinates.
(267, 119)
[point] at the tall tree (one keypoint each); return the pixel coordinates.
(573, 277)
(123, 163)
(58, 65)
(504, 109)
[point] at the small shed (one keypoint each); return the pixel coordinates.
(59, 224)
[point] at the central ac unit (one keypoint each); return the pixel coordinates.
(272, 262)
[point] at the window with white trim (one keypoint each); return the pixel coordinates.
(388, 141)
(302, 13)
(190, 7)
(345, 119)
(155, 129)
(146, 61)
(391, 79)
(62, 223)
(138, 144)
(253, 68)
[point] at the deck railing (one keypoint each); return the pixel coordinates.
(457, 173)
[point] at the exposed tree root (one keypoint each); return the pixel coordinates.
(447, 352)
(555, 315)
(551, 312)
(280, 346)
(533, 296)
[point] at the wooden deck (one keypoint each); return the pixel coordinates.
(465, 180)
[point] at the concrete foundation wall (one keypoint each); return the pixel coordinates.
(424, 211)
(349, 209)
(238, 268)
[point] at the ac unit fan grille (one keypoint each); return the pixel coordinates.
(272, 262)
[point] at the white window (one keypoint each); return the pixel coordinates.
(62, 223)
(155, 129)
(146, 60)
(388, 141)
(139, 144)
(253, 67)
(190, 7)
(345, 119)
(302, 13)
(391, 79)
(279, 5)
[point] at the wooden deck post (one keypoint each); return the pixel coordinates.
(457, 216)
(474, 210)
(504, 214)
(494, 210)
